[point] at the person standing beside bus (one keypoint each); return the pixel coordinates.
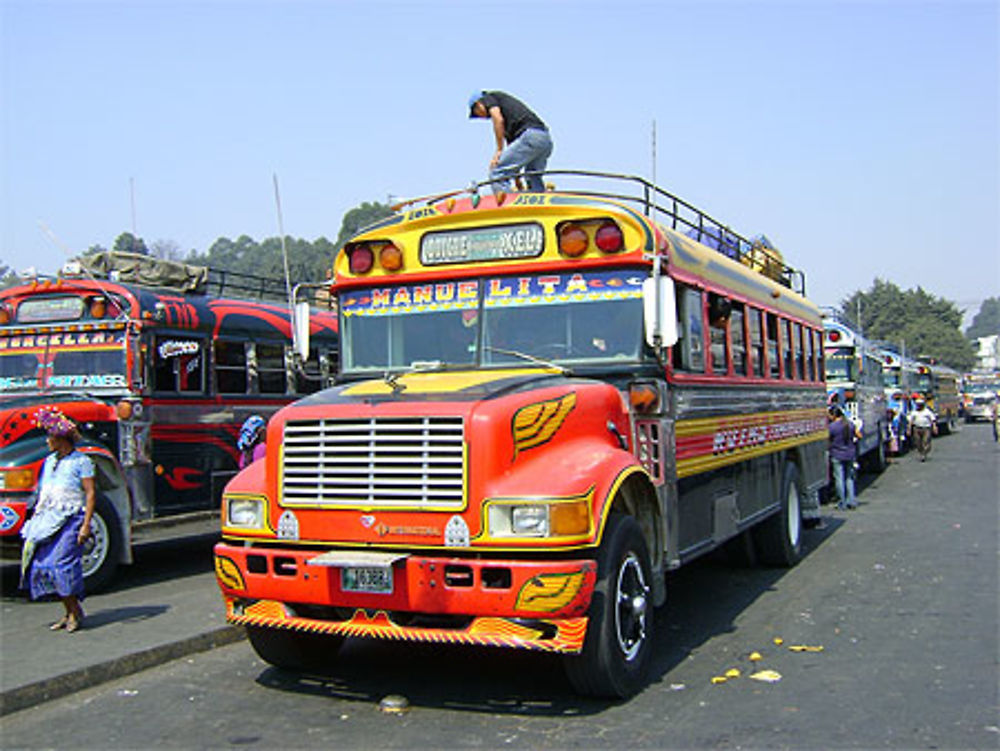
(52, 556)
(924, 422)
(527, 138)
(843, 452)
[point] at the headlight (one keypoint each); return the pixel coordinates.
(246, 513)
(539, 519)
(17, 479)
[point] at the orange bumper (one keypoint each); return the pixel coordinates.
(537, 605)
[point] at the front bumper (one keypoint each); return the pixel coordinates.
(536, 604)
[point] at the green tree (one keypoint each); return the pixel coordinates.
(126, 242)
(986, 321)
(360, 217)
(930, 327)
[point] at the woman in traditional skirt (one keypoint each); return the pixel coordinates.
(52, 558)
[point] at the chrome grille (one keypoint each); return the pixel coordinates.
(380, 461)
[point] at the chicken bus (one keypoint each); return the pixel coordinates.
(854, 381)
(939, 385)
(545, 402)
(158, 373)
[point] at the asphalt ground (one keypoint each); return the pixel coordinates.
(902, 594)
(164, 606)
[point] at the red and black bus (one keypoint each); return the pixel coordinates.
(159, 380)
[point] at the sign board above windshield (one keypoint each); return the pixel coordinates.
(508, 242)
(45, 309)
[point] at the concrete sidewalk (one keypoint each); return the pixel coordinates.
(165, 606)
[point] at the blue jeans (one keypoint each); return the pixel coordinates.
(529, 152)
(843, 479)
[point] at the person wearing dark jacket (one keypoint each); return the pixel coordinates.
(523, 140)
(843, 453)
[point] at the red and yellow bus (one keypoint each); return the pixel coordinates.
(545, 403)
(159, 380)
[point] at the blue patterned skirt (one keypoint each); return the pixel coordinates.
(56, 567)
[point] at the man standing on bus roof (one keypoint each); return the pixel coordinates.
(527, 139)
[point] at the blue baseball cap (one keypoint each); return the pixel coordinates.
(474, 97)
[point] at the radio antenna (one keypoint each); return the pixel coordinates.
(288, 276)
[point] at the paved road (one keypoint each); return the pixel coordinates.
(901, 595)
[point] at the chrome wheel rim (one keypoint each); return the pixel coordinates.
(794, 516)
(631, 606)
(95, 549)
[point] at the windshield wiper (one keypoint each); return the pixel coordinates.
(530, 358)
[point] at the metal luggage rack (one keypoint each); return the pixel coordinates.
(658, 204)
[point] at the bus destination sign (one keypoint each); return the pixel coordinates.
(507, 242)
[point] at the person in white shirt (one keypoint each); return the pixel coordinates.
(923, 422)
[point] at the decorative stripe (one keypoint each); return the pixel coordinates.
(483, 631)
(535, 424)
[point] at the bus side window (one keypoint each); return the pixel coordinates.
(231, 367)
(738, 339)
(800, 353)
(820, 361)
(271, 378)
(772, 345)
(786, 347)
(689, 352)
(756, 342)
(719, 310)
(179, 365)
(811, 358)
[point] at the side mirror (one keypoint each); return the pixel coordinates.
(300, 329)
(659, 312)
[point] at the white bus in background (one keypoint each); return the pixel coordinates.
(854, 379)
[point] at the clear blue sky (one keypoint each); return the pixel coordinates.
(861, 137)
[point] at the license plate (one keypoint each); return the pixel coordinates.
(373, 579)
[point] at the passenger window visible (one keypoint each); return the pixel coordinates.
(772, 345)
(811, 338)
(230, 367)
(719, 310)
(179, 364)
(691, 346)
(738, 340)
(786, 348)
(271, 377)
(800, 353)
(756, 343)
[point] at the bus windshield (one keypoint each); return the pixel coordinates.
(840, 364)
(43, 368)
(559, 318)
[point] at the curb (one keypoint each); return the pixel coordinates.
(32, 694)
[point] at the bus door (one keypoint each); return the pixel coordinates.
(186, 432)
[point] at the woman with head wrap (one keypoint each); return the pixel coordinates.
(52, 558)
(251, 441)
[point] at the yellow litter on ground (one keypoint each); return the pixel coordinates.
(779, 641)
(768, 676)
(719, 679)
(755, 657)
(732, 673)
(805, 648)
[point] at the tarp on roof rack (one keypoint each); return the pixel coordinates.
(148, 271)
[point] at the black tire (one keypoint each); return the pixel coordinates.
(618, 645)
(778, 539)
(102, 551)
(294, 650)
(877, 461)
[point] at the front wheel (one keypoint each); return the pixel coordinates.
(617, 647)
(294, 650)
(778, 539)
(102, 550)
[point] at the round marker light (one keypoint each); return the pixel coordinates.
(573, 240)
(833, 336)
(609, 238)
(390, 258)
(98, 308)
(361, 259)
(123, 409)
(4, 315)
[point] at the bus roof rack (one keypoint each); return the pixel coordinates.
(757, 253)
(159, 273)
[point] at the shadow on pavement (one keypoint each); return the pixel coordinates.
(704, 599)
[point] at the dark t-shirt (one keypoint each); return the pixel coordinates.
(842, 440)
(516, 116)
